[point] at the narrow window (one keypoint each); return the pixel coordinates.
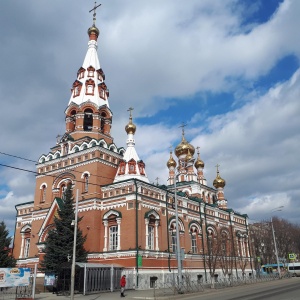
(26, 247)
(113, 237)
(173, 241)
(151, 237)
(43, 193)
(88, 120)
(194, 243)
(63, 191)
(86, 183)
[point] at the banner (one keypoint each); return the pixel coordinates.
(49, 279)
(14, 277)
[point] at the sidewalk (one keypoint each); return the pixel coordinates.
(130, 295)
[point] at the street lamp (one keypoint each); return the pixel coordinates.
(178, 248)
(275, 244)
(74, 222)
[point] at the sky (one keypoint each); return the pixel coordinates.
(227, 69)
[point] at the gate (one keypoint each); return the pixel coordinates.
(17, 292)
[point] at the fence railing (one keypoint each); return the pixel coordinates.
(188, 286)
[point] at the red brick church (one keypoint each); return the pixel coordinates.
(127, 220)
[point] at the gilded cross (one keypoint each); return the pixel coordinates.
(94, 14)
(217, 166)
(182, 126)
(130, 109)
(156, 180)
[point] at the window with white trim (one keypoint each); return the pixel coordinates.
(26, 247)
(194, 243)
(151, 237)
(113, 237)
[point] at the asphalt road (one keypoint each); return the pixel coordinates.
(286, 289)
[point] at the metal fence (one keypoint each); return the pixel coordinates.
(170, 289)
(7, 293)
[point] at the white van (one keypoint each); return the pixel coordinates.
(294, 268)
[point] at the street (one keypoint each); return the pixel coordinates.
(285, 289)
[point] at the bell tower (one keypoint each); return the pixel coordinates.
(88, 112)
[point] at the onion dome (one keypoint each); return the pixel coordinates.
(93, 29)
(219, 182)
(189, 156)
(130, 128)
(199, 163)
(184, 147)
(171, 162)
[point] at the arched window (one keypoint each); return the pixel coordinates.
(26, 247)
(151, 223)
(43, 193)
(63, 189)
(86, 183)
(112, 225)
(88, 120)
(103, 117)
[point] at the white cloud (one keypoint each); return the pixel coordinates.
(151, 51)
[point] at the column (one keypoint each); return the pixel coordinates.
(119, 233)
(156, 235)
(22, 245)
(105, 223)
(147, 233)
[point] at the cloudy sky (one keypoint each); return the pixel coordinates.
(229, 69)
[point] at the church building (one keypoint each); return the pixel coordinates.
(129, 221)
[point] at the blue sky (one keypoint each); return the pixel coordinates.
(228, 69)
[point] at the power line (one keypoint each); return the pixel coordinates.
(18, 157)
(27, 159)
(53, 176)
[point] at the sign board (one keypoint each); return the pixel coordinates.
(49, 279)
(140, 260)
(14, 277)
(292, 256)
(258, 259)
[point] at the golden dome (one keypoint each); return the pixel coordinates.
(171, 162)
(94, 29)
(184, 147)
(130, 127)
(199, 163)
(189, 156)
(219, 182)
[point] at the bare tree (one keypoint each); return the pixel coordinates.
(226, 257)
(213, 252)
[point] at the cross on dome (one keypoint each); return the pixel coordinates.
(94, 14)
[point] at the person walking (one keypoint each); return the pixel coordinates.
(123, 284)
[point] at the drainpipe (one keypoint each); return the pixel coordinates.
(136, 233)
(205, 218)
(232, 237)
(168, 237)
(203, 241)
(249, 251)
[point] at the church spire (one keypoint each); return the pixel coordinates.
(88, 107)
(89, 85)
(131, 166)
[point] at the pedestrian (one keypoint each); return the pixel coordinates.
(123, 284)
